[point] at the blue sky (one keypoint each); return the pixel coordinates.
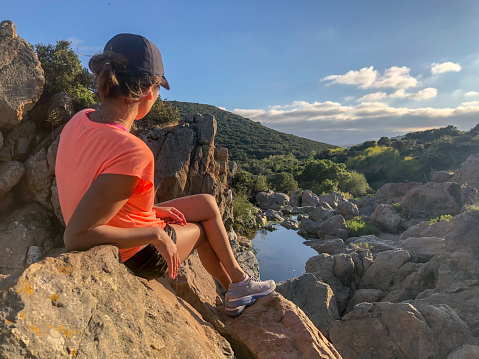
(340, 72)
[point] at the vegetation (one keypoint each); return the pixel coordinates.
(161, 115)
(443, 218)
(397, 207)
(358, 227)
(64, 73)
(359, 247)
(244, 212)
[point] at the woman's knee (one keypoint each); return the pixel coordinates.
(209, 202)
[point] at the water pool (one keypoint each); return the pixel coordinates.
(281, 254)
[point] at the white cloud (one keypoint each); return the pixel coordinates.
(376, 96)
(334, 123)
(437, 69)
(222, 108)
(471, 94)
(367, 77)
(425, 94)
(470, 103)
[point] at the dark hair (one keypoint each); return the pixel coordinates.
(113, 80)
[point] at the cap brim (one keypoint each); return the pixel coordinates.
(165, 83)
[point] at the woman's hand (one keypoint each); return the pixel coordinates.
(170, 215)
(167, 248)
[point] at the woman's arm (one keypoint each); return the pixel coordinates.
(105, 197)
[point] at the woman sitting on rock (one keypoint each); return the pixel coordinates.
(105, 182)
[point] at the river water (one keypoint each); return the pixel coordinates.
(281, 254)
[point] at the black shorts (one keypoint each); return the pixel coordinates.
(148, 262)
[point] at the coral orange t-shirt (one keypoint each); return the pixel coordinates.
(88, 149)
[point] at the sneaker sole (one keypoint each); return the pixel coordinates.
(249, 299)
(236, 311)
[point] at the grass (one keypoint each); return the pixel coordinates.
(443, 218)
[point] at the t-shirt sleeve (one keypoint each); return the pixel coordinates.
(132, 159)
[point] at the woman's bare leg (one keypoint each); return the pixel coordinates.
(203, 209)
(192, 236)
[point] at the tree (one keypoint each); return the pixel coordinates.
(356, 184)
(323, 176)
(283, 182)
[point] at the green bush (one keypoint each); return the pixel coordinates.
(397, 207)
(359, 247)
(161, 115)
(358, 228)
(243, 212)
(283, 182)
(245, 183)
(356, 184)
(443, 218)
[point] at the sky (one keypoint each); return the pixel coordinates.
(340, 72)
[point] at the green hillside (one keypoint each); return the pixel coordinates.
(246, 139)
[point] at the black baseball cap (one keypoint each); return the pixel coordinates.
(142, 55)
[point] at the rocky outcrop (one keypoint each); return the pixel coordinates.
(386, 217)
(393, 192)
(88, 305)
(10, 174)
(468, 172)
(434, 199)
(272, 200)
(21, 78)
(399, 330)
(273, 327)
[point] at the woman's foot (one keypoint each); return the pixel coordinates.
(245, 293)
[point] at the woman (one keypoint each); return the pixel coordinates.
(105, 182)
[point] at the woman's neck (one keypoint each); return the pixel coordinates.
(116, 111)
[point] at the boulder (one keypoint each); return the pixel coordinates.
(60, 109)
(465, 351)
(347, 209)
(271, 200)
(303, 210)
(314, 297)
(261, 219)
(373, 243)
(468, 171)
(329, 246)
(290, 224)
(344, 268)
(434, 199)
(384, 268)
(10, 174)
(365, 296)
(273, 327)
(25, 227)
(333, 227)
(245, 258)
(385, 216)
(21, 78)
(308, 198)
(295, 198)
(309, 226)
(365, 205)
(321, 213)
(399, 330)
(273, 215)
(424, 229)
(442, 176)
(393, 192)
(89, 305)
(17, 143)
(333, 199)
(424, 248)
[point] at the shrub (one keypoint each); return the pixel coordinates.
(356, 184)
(243, 212)
(284, 182)
(162, 114)
(358, 227)
(397, 207)
(445, 217)
(359, 247)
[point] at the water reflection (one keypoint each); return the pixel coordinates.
(281, 254)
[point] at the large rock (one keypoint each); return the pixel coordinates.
(333, 227)
(384, 268)
(386, 217)
(21, 78)
(465, 352)
(322, 213)
(308, 198)
(333, 199)
(347, 209)
(393, 192)
(272, 200)
(194, 169)
(373, 243)
(434, 199)
(424, 248)
(468, 172)
(314, 297)
(273, 327)
(10, 174)
(27, 230)
(18, 142)
(399, 330)
(89, 305)
(60, 109)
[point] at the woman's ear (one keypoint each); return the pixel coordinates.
(151, 93)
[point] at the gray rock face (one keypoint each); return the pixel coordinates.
(272, 200)
(60, 109)
(290, 224)
(88, 305)
(314, 297)
(393, 192)
(308, 198)
(333, 227)
(468, 171)
(10, 174)
(373, 243)
(442, 176)
(21, 78)
(333, 199)
(330, 246)
(322, 213)
(465, 352)
(23, 228)
(424, 247)
(381, 273)
(386, 217)
(399, 330)
(433, 199)
(273, 215)
(347, 209)
(18, 142)
(365, 296)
